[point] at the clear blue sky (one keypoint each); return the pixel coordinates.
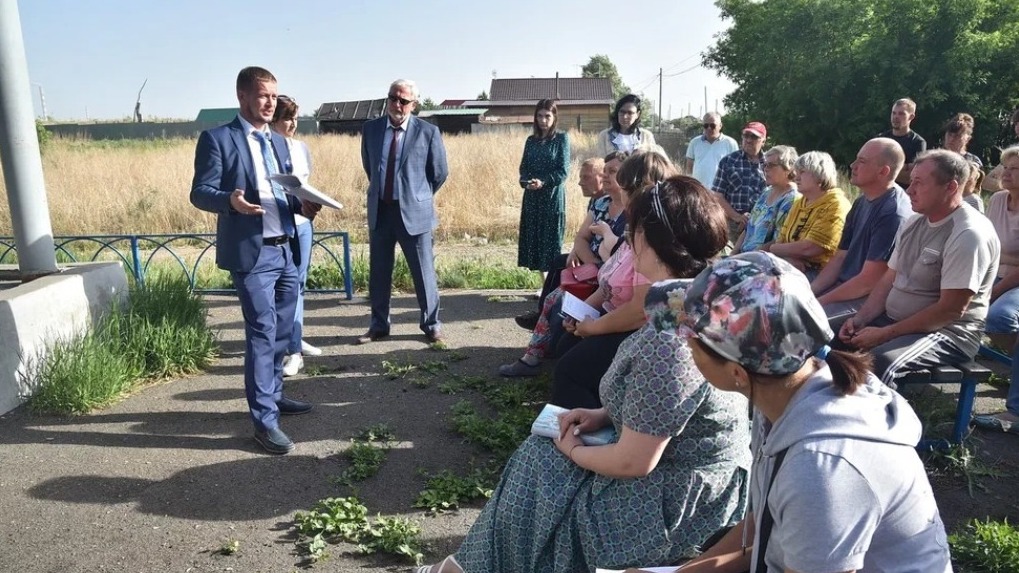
(96, 55)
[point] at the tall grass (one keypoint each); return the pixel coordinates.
(158, 333)
(135, 186)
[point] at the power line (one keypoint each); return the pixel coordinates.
(682, 71)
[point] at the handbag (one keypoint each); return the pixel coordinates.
(580, 281)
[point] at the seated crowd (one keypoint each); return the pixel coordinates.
(819, 300)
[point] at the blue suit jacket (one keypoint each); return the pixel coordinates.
(223, 163)
(420, 172)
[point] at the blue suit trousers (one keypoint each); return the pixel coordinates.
(268, 296)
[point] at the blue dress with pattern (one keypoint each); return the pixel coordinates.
(549, 515)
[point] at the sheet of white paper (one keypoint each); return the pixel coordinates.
(291, 184)
(651, 569)
(578, 309)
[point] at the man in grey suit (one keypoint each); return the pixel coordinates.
(405, 161)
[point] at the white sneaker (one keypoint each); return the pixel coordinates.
(292, 364)
(310, 350)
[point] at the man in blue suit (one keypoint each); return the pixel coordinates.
(256, 242)
(406, 164)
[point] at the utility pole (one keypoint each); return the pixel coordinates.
(659, 99)
(19, 153)
(42, 102)
(705, 99)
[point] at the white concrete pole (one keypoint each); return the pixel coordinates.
(19, 152)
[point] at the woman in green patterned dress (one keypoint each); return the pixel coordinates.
(679, 469)
(543, 171)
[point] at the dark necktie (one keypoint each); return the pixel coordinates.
(282, 206)
(387, 189)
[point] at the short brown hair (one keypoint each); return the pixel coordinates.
(286, 108)
(909, 104)
(644, 169)
(249, 78)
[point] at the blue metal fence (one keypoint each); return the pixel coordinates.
(136, 253)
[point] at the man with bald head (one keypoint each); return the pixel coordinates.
(706, 150)
(869, 234)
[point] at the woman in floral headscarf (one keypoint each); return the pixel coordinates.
(837, 484)
(678, 470)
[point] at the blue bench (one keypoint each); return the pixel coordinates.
(967, 376)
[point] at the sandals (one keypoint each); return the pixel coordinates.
(519, 369)
(994, 423)
(441, 567)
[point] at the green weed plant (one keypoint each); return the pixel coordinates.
(345, 519)
(986, 547)
(159, 332)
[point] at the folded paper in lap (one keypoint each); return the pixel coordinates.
(547, 424)
(293, 185)
(577, 309)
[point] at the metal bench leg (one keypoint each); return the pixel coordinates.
(967, 393)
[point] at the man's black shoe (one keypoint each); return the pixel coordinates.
(528, 320)
(274, 441)
(371, 336)
(290, 407)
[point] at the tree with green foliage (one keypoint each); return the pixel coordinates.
(428, 103)
(600, 66)
(483, 96)
(822, 74)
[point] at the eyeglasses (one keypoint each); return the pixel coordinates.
(396, 98)
(710, 125)
(768, 164)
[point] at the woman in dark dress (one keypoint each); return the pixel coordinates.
(543, 171)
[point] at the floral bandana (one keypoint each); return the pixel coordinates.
(756, 310)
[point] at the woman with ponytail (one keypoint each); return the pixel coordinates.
(836, 483)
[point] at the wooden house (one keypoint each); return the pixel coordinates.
(584, 103)
(348, 116)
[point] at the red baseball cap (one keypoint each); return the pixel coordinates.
(757, 128)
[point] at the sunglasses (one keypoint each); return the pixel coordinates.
(710, 125)
(394, 99)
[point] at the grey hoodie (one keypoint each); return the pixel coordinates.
(851, 493)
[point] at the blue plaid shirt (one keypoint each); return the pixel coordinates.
(740, 180)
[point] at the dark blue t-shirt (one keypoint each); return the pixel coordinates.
(871, 226)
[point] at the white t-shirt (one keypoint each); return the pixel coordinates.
(706, 155)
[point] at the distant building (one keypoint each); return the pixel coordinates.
(453, 120)
(452, 104)
(348, 116)
(217, 115)
(584, 103)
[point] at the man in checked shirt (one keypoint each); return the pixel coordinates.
(740, 178)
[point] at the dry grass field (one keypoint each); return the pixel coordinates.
(124, 187)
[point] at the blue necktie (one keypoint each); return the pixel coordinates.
(282, 206)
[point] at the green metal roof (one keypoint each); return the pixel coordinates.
(217, 114)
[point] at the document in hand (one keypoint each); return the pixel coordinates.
(577, 309)
(547, 424)
(291, 184)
